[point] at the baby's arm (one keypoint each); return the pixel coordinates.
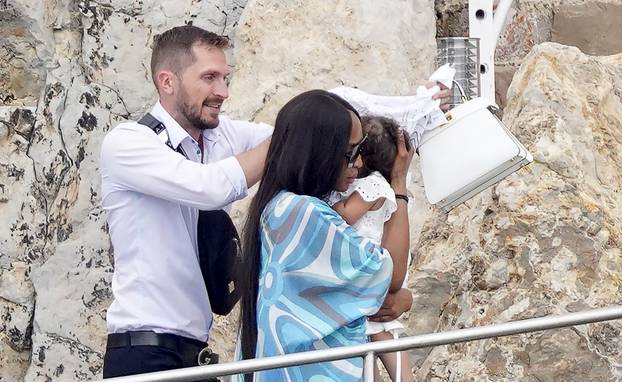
(354, 207)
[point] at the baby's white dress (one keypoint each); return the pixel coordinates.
(371, 225)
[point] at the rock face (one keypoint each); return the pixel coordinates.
(544, 241)
(286, 47)
(72, 70)
(69, 71)
(591, 27)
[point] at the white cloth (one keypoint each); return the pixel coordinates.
(152, 195)
(371, 188)
(415, 114)
(444, 75)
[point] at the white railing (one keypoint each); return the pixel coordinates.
(369, 350)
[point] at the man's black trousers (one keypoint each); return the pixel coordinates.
(145, 352)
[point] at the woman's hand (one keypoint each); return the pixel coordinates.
(395, 304)
(403, 157)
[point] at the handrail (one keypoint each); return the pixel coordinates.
(368, 350)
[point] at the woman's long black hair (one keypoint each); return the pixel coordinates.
(306, 157)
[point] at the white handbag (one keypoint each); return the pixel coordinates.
(468, 154)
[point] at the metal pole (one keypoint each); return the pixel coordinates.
(487, 27)
(481, 27)
(501, 13)
(369, 365)
(421, 341)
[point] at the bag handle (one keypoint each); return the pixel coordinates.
(463, 96)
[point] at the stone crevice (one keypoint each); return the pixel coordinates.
(614, 364)
(127, 114)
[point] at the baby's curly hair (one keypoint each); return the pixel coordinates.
(380, 147)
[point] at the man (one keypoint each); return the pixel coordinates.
(152, 188)
(160, 316)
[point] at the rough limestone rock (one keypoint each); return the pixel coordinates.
(286, 47)
(69, 71)
(588, 24)
(591, 27)
(546, 240)
(75, 69)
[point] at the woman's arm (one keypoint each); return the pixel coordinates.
(354, 207)
(396, 236)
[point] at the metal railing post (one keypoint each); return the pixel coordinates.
(369, 365)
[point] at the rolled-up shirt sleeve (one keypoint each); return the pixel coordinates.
(248, 135)
(135, 159)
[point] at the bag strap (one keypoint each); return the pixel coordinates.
(151, 122)
(158, 127)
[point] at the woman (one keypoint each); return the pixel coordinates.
(311, 279)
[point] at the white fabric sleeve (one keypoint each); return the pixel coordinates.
(248, 135)
(374, 187)
(136, 160)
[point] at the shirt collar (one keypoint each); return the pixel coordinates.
(176, 133)
(212, 135)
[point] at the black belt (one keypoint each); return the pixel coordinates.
(186, 347)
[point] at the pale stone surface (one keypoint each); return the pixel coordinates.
(544, 241)
(592, 27)
(74, 70)
(285, 48)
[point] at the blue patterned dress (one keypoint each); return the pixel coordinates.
(319, 280)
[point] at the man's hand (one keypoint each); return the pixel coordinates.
(394, 305)
(253, 162)
(443, 94)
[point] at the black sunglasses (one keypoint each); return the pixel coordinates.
(353, 154)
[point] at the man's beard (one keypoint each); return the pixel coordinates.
(194, 117)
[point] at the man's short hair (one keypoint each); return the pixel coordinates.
(173, 48)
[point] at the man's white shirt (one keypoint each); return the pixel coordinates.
(152, 195)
